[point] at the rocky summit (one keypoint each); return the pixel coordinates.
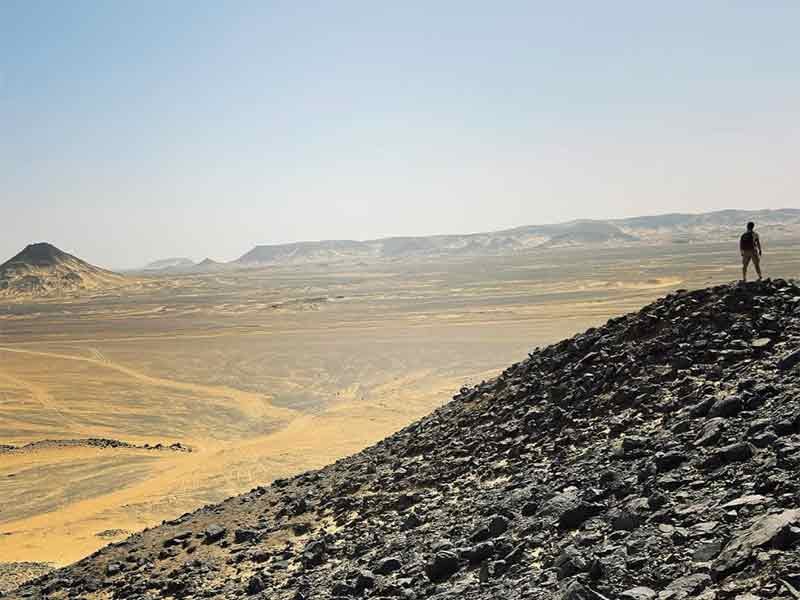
(656, 457)
(42, 269)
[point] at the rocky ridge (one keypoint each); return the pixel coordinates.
(655, 457)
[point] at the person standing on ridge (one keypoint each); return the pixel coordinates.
(750, 247)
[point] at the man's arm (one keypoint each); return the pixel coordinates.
(757, 241)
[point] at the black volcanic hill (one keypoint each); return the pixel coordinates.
(43, 269)
(39, 255)
(654, 457)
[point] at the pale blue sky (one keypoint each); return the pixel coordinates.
(131, 131)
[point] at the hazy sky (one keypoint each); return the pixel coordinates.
(131, 131)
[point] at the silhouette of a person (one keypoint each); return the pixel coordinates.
(750, 247)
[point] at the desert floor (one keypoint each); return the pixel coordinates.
(270, 372)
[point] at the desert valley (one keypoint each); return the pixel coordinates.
(130, 399)
(399, 300)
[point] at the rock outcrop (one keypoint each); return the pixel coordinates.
(656, 457)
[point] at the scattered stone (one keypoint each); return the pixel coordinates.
(789, 360)
(686, 587)
(711, 432)
(764, 531)
(667, 461)
(726, 407)
(707, 552)
(739, 452)
(214, 533)
(255, 585)
(442, 565)
(638, 593)
(389, 565)
(240, 536)
(750, 500)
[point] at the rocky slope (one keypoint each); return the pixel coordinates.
(42, 269)
(654, 457)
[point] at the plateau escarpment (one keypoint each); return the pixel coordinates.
(725, 225)
(653, 457)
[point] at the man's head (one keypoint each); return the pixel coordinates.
(751, 226)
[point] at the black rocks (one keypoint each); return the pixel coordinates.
(214, 533)
(570, 562)
(480, 552)
(256, 584)
(726, 407)
(178, 539)
(496, 526)
(667, 461)
(739, 452)
(442, 565)
(412, 520)
(576, 590)
(314, 553)
(575, 516)
(569, 509)
(626, 521)
(342, 589)
(689, 586)
(364, 580)
(657, 500)
(389, 565)
(707, 551)
(789, 360)
(241, 536)
(711, 432)
(767, 530)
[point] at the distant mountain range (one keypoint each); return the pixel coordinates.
(185, 265)
(659, 229)
(42, 269)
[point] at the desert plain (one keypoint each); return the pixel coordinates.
(212, 384)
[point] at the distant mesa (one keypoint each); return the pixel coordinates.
(43, 270)
(169, 263)
(581, 233)
(674, 228)
(657, 229)
(310, 251)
